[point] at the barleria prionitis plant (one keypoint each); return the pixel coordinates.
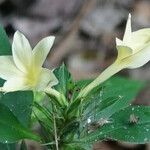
(72, 115)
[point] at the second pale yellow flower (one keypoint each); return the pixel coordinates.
(133, 52)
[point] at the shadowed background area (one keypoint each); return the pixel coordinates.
(85, 33)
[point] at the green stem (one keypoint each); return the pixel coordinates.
(50, 143)
(55, 131)
(107, 73)
(52, 92)
(60, 97)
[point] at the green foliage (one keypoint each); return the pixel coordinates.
(20, 104)
(104, 101)
(131, 124)
(5, 46)
(115, 94)
(99, 106)
(11, 129)
(65, 80)
(7, 146)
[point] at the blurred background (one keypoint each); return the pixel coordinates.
(85, 33)
(85, 30)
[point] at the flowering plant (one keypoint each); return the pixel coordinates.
(72, 115)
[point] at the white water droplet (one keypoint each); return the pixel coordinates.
(88, 120)
(120, 96)
(146, 139)
(132, 108)
(147, 130)
(112, 127)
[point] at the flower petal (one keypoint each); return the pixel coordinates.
(15, 84)
(8, 68)
(42, 49)
(138, 59)
(22, 52)
(119, 42)
(128, 31)
(140, 39)
(47, 78)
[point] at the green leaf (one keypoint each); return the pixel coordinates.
(121, 91)
(115, 94)
(79, 85)
(20, 103)
(7, 146)
(5, 46)
(66, 83)
(75, 104)
(72, 127)
(74, 109)
(10, 128)
(124, 127)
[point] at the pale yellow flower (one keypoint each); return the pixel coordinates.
(134, 49)
(133, 52)
(23, 70)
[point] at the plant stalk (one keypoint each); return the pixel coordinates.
(55, 132)
(60, 97)
(107, 73)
